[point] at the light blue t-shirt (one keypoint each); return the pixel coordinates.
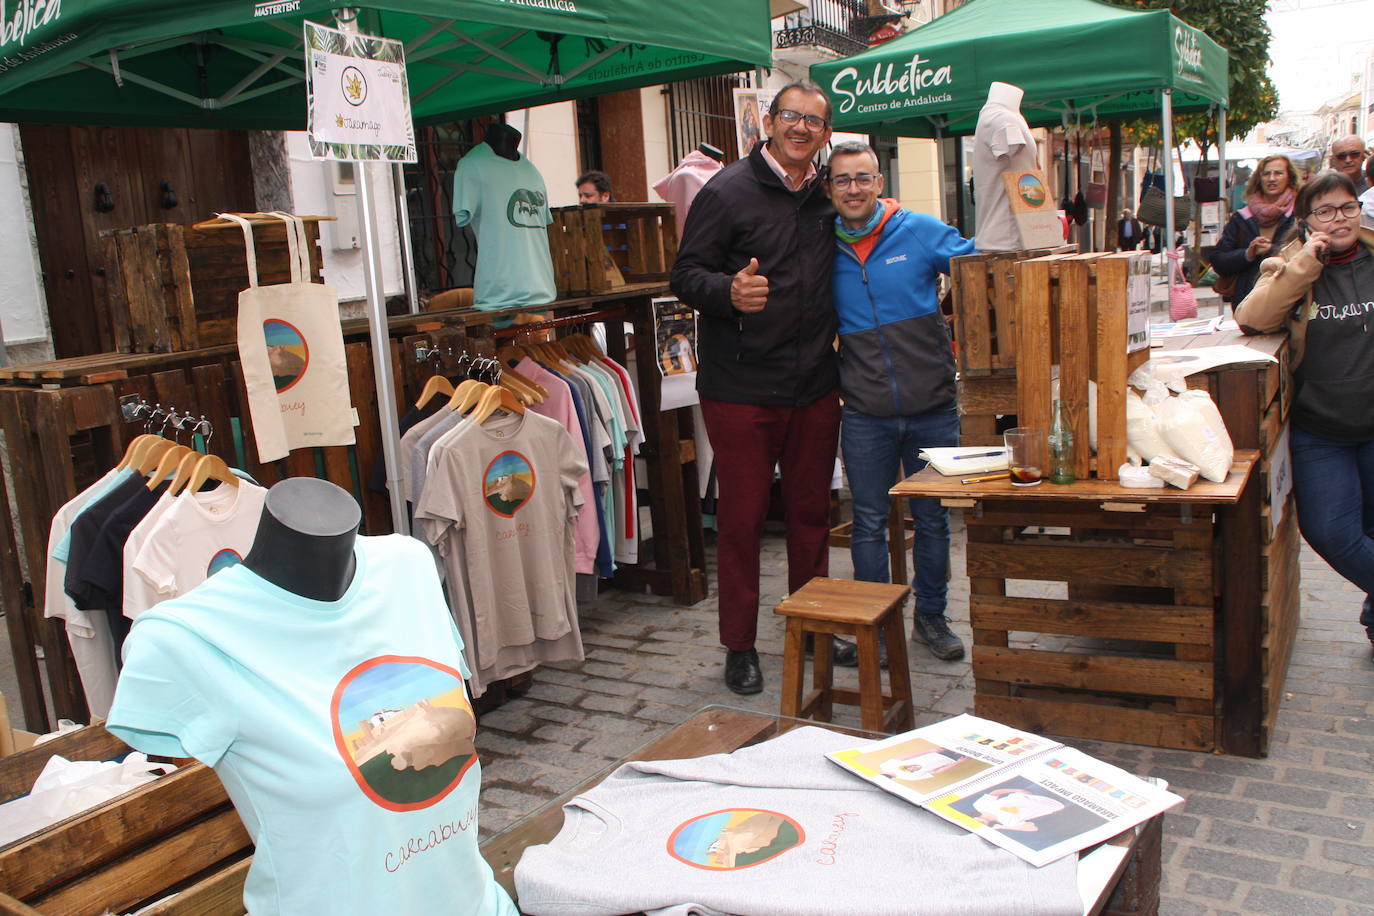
(508, 206)
(341, 730)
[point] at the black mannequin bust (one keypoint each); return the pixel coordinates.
(304, 542)
(504, 141)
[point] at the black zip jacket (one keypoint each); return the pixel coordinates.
(783, 355)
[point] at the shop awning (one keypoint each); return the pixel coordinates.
(239, 64)
(1074, 58)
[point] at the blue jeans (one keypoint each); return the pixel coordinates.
(1334, 485)
(874, 448)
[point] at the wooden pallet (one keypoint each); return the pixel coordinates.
(597, 248)
(176, 287)
(178, 831)
(984, 295)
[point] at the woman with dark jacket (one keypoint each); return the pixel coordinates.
(1321, 289)
(1253, 229)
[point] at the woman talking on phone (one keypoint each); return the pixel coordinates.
(1321, 288)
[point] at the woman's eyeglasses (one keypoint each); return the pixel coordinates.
(1350, 209)
(864, 180)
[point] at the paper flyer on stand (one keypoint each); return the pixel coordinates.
(1025, 793)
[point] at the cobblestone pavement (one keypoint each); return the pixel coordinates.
(1289, 834)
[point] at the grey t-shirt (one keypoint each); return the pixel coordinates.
(774, 830)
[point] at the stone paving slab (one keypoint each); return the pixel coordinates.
(1292, 833)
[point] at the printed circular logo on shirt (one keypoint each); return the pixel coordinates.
(223, 560)
(287, 353)
(734, 838)
(508, 483)
(1031, 191)
(404, 727)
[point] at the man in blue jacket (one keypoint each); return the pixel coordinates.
(896, 374)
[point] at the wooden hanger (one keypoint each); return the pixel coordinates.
(437, 384)
(466, 394)
(167, 465)
(147, 461)
(183, 474)
(497, 398)
(211, 467)
(135, 446)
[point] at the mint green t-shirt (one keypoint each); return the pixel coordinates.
(341, 730)
(507, 204)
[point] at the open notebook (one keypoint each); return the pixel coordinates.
(962, 461)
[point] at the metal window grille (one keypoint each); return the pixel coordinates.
(703, 111)
(445, 255)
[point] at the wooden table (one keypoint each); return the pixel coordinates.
(1119, 876)
(1144, 566)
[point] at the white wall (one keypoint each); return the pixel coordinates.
(23, 308)
(550, 143)
(658, 151)
(312, 189)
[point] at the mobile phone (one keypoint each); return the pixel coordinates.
(1324, 255)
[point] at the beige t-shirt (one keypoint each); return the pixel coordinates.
(500, 505)
(1002, 142)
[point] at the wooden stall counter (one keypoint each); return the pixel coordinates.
(1136, 639)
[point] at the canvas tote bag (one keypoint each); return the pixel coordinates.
(292, 350)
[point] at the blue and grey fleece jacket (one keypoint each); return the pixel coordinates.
(895, 354)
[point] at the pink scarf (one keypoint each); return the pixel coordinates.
(1269, 214)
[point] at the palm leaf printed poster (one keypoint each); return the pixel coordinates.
(405, 729)
(358, 97)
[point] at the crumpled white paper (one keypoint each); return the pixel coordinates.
(66, 787)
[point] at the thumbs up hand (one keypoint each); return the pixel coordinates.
(749, 288)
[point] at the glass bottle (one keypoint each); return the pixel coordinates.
(1061, 445)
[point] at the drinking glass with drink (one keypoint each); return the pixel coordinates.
(1028, 453)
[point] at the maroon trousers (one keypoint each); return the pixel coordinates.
(748, 441)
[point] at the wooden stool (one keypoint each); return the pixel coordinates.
(828, 607)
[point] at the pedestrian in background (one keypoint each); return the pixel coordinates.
(1347, 157)
(594, 188)
(1251, 231)
(1129, 231)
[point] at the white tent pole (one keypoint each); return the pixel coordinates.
(398, 181)
(381, 347)
(1167, 117)
(1225, 206)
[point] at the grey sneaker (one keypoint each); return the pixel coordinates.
(933, 630)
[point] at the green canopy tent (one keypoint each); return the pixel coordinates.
(1072, 58)
(240, 65)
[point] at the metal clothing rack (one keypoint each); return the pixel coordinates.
(135, 408)
(563, 321)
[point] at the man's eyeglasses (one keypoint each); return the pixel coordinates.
(1350, 209)
(864, 180)
(1353, 154)
(791, 117)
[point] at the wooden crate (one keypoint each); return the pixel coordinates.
(174, 287)
(984, 294)
(1072, 313)
(982, 399)
(596, 248)
(178, 833)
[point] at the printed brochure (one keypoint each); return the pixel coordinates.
(1027, 794)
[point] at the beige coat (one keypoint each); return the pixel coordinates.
(1286, 280)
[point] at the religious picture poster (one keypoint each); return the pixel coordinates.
(675, 333)
(358, 98)
(1033, 208)
(748, 119)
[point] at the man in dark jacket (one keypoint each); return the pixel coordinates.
(755, 263)
(1129, 231)
(896, 374)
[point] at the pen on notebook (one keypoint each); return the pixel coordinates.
(1002, 476)
(997, 454)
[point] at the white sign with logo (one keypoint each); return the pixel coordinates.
(359, 106)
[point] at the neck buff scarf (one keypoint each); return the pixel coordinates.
(850, 236)
(1269, 214)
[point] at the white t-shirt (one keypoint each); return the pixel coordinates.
(139, 593)
(200, 534)
(1002, 142)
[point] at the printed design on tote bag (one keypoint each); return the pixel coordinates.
(404, 727)
(1031, 191)
(287, 353)
(223, 559)
(508, 483)
(734, 838)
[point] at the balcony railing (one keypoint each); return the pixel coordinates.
(832, 24)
